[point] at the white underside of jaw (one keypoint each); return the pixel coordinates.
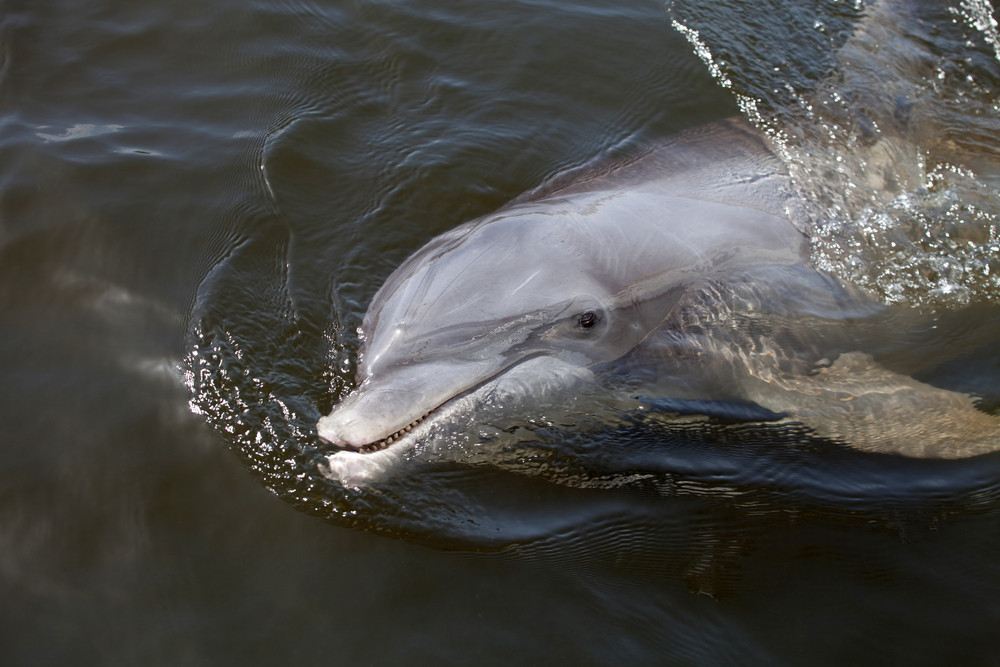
(355, 470)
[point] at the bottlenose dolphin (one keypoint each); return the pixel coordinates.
(687, 267)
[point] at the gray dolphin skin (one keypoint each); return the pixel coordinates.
(687, 265)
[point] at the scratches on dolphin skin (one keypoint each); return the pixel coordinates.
(526, 281)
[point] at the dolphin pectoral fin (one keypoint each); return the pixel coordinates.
(730, 412)
(859, 403)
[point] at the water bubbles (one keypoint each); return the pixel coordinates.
(716, 67)
(933, 246)
(346, 363)
(892, 137)
(979, 15)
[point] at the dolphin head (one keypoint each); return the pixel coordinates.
(540, 283)
(502, 311)
(558, 286)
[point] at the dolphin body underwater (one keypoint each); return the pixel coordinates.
(683, 273)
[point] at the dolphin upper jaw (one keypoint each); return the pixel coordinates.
(364, 422)
(390, 405)
(380, 413)
(376, 411)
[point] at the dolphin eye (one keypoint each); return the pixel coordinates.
(587, 319)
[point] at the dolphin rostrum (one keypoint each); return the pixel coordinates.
(688, 264)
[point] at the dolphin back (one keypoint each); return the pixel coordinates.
(728, 162)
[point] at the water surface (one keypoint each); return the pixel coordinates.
(220, 189)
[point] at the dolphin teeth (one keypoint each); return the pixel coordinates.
(390, 439)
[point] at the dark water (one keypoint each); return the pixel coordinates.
(219, 189)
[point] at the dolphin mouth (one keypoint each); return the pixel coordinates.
(385, 442)
(398, 435)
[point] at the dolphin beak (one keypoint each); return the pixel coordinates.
(379, 411)
(356, 428)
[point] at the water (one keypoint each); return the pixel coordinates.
(220, 190)
(887, 146)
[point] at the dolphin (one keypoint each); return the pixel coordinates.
(686, 266)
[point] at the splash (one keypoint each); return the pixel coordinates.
(978, 14)
(885, 115)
